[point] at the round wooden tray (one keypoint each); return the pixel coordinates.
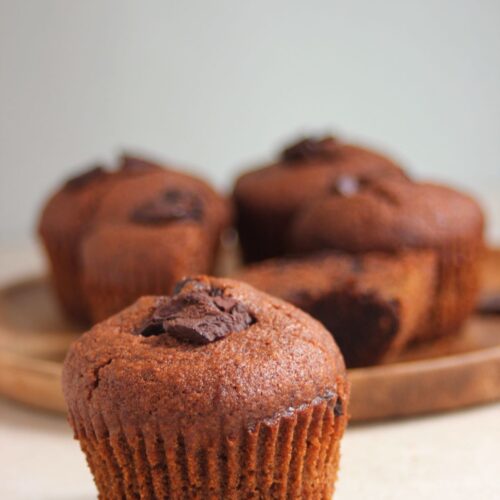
(449, 374)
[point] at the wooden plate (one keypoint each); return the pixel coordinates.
(449, 374)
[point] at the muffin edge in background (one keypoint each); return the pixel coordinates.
(69, 218)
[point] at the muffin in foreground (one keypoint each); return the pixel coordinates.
(268, 198)
(374, 304)
(86, 245)
(391, 215)
(219, 391)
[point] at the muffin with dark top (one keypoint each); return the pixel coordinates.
(65, 220)
(266, 199)
(72, 216)
(148, 233)
(219, 391)
(393, 215)
(373, 304)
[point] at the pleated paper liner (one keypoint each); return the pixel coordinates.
(293, 456)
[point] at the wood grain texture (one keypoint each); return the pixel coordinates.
(448, 374)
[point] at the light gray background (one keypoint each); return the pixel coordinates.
(218, 85)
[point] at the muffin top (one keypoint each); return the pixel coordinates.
(217, 356)
(306, 169)
(71, 207)
(161, 199)
(386, 215)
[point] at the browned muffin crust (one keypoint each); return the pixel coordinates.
(373, 304)
(257, 410)
(282, 360)
(267, 198)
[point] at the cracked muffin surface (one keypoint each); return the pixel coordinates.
(215, 370)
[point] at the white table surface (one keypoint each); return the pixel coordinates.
(453, 455)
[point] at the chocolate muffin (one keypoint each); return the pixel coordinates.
(266, 199)
(148, 233)
(219, 391)
(65, 220)
(71, 216)
(374, 304)
(392, 215)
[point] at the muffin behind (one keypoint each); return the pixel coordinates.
(67, 217)
(392, 215)
(148, 233)
(268, 198)
(71, 217)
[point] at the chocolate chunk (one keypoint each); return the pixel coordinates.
(198, 316)
(225, 304)
(346, 185)
(489, 304)
(153, 324)
(311, 148)
(85, 178)
(132, 164)
(172, 205)
(338, 409)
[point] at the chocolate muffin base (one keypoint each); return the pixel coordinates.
(294, 455)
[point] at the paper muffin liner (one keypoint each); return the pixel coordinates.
(65, 275)
(295, 455)
(106, 297)
(457, 288)
(108, 291)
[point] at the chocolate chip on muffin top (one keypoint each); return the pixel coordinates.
(198, 314)
(172, 205)
(311, 148)
(86, 177)
(132, 164)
